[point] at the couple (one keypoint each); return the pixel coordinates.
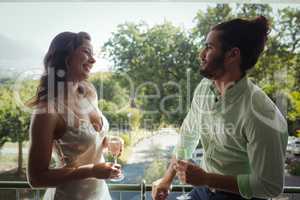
(242, 161)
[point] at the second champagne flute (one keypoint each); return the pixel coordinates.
(181, 154)
(114, 147)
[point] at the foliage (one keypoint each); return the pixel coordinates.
(206, 19)
(294, 168)
(107, 106)
(130, 117)
(108, 88)
(297, 134)
(135, 117)
(156, 61)
(288, 29)
(14, 119)
(155, 170)
(295, 107)
(118, 119)
(126, 138)
(251, 10)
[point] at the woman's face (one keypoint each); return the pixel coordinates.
(80, 62)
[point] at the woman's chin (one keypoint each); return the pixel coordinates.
(84, 76)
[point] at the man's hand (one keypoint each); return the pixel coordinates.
(160, 190)
(190, 174)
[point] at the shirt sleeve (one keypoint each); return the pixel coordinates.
(189, 133)
(267, 140)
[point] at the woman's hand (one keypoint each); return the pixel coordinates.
(106, 170)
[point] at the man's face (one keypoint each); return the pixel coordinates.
(212, 57)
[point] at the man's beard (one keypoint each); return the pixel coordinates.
(215, 69)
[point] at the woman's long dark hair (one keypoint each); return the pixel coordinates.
(55, 66)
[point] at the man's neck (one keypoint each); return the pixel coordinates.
(227, 80)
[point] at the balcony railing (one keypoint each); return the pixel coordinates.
(292, 193)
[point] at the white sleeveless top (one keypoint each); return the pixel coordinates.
(80, 146)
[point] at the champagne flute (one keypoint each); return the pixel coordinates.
(114, 147)
(182, 153)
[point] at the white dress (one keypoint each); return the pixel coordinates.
(80, 146)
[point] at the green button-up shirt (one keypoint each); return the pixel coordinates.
(242, 133)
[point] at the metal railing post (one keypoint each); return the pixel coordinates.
(37, 195)
(17, 194)
(143, 190)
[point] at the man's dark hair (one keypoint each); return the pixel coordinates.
(249, 36)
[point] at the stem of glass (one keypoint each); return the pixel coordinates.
(115, 159)
(183, 190)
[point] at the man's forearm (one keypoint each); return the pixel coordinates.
(170, 173)
(222, 182)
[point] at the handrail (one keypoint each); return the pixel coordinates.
(123, 187)
(142, 188)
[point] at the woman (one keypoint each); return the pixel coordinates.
(66, 120)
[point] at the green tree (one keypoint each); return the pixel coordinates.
(156, 60)
(205, 20)
(253, 10)
(109, 88)
(14, 122)
(294, 113)
(135, 117)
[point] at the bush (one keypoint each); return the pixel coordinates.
(294, 168)
(155, 170)
(135, 118)
(126, 138)
(107, 106)
(297, 134)
(117, 121)
(129, 119)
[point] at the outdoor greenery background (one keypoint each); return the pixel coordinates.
(165, 54)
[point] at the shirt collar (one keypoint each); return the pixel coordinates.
(233, 92)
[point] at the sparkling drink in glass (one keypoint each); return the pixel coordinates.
(114, 147)
(182, 153)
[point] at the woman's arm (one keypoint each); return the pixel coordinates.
(42, 131)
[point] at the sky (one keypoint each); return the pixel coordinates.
(37, 23)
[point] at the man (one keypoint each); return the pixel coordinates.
(242, 132)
